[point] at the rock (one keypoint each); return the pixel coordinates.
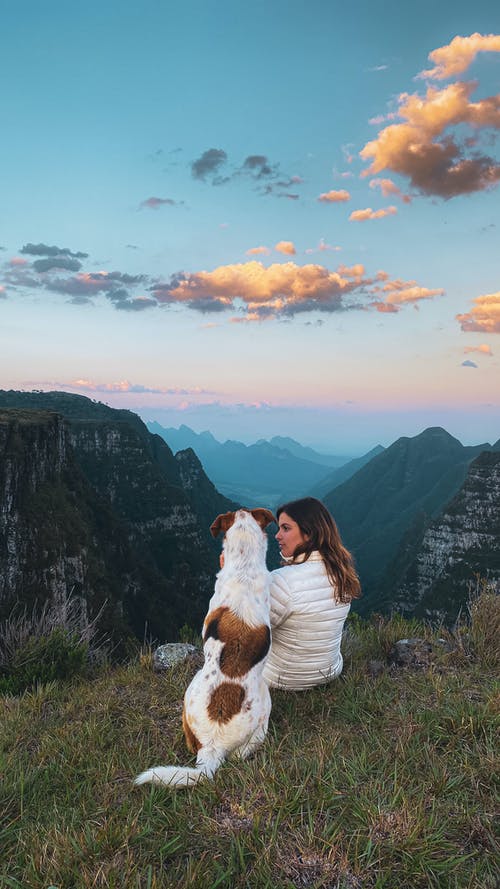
(171, 653)
(412, 653)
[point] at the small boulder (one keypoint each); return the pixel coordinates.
(415, 653)
(166, 656)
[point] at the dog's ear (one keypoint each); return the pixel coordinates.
(222, 523)
(264, 517)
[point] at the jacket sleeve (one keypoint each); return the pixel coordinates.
(281, 602)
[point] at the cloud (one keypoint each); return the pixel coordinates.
(368, 213)
(388, 187)
(255, 251)
(282, 290)
(154, 203)
(334, 197)
(394, 294)
(258, 165)
(378, 68)
(323, 246)
(45, 250)
(457, 56)
(285, 247)
(469, 364)
(57, 262)
(208, 164)
(437, 159)
(88, 283)
(18, 261)
(278, 290)
(121, 387)
(483, 349)
(484, 316)
(353, 271)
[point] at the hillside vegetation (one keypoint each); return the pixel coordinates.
(383, 779)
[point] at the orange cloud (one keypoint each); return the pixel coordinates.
(368, 213)
(483, 349)
(484, 317)
(18, 261)
(335, 197)
(412, 294)
(286, 247)
(255, 251)
(284, 289)
(385, 307)
(397, 293)
(455, 57)
(388, 187)
(323, 246)
(353, 271)
(422, 150)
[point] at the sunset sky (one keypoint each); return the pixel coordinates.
(261, 219)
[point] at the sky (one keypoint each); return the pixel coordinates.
(260, 219)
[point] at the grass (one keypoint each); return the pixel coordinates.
(373, 782)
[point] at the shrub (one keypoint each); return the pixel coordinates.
(484, 624)
(46, 658)
(51, 643)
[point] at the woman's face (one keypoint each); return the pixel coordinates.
(289, 536)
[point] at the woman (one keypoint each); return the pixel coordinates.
(310, 597)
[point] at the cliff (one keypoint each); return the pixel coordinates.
(433, 572)
(414, 477)
(90, 501)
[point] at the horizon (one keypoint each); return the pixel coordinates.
(249, 232)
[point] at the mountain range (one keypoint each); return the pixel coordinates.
(402, 488)
(93, 503)
(264, 473)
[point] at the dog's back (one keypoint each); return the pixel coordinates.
(227, 704)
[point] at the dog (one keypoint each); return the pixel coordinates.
(227, 704)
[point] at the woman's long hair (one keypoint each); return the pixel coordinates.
(321, 534)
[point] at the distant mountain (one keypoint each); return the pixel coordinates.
(340, 475)
(261, 474)
(438, 562)
(91, 501)
(182, 438)
(376, 506)
(306, 453)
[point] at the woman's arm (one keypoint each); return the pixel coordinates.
(281, 604)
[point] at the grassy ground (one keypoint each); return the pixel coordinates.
(373, 781)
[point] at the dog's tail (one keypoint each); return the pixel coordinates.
(183, 776)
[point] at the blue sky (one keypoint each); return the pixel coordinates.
(256, 218)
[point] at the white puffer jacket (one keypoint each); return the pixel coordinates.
(306, 625)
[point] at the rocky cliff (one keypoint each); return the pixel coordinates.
(436, 566)
(91, 502)
(410, 481)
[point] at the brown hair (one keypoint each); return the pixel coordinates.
(321, 533)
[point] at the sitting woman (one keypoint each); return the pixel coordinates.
(310, 597)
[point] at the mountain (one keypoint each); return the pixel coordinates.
(90, 501)
(435, 567)
(184, 437)
(378, 504)
(340, 475)
(306, 453)
(261, 474)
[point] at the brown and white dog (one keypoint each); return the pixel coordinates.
(227, 704)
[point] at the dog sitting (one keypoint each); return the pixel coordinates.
(227, 704)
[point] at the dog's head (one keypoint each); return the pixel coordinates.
(223, 522)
